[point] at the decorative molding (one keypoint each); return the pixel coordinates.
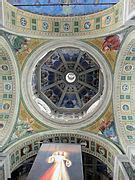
(10, 91)
(20, 21)
(123, 93)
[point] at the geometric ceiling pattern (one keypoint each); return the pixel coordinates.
(68, 79)
(9, 91)
(124, 92)
(77, 25)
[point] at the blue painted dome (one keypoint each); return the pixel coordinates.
(68, 78)
(63, 7)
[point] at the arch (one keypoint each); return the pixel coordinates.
(10, 90)
(92, 144)
(83, 26)
(123, 94)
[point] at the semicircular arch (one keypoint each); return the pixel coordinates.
(124, 90)
(91, 144)
(9, 89)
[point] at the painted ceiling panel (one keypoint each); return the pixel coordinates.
(63, 7)
(27, 124)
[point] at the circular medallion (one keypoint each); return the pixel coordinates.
(8, 87)
(6, 106)
(87, 25)
(4, 67)
(70, 77)
(128, 67)
(125, 87)
(26, 149)
(45, 25)
(108, 20)
(23, 21)
(125, 107)
(101, 150)
(66, 27)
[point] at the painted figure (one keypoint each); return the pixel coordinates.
(107, 128)
(111, 43)
(58, 170)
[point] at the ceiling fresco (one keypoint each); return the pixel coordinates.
(105, 126)
(23, 46)
(63, 7)
(67, 75)
(27, 124)
(68, 79)
(109, 46)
